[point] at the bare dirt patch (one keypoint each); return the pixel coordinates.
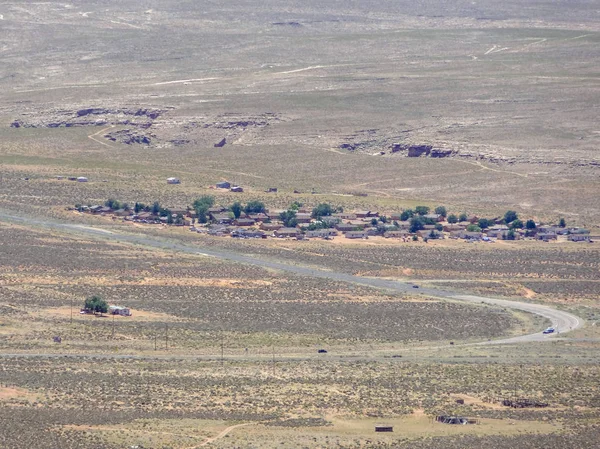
(7, 393)
(137, 315)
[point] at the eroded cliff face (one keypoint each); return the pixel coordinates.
(150, 127)
(139, 117)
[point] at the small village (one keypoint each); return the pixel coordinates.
(327, 222)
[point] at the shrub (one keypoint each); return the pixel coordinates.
(322, 210)
(510, 216)
(422, 210)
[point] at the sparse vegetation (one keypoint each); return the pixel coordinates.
(403, 108)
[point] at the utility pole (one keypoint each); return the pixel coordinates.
(155, 338)
(222, 350)
(273, 360)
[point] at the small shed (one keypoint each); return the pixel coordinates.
(82, 179)
(236, 189)
(384, 428)
(223, 185)
(173, 181)
(118, 310)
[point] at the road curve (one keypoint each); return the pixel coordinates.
(562, 321)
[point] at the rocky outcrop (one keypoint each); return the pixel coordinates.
(152, 114)
(152, 127)
(421, 150)
(138, 117)
(290, 24)
(439, 152)
(129, 137)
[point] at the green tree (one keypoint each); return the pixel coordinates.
(113, 204)
(138, 207)
(416, 224)
(296, 205)
(383, 219)
(452, 219)
(322, 210)
(530, 224)
(96, 304)
(201, 206)
(473, 228)
(439, 227)
(406, 214)
(510, 235)
(422, 210)
(156, 208)
(254, 207)
(441, 210)
(463, 217)
(236, 208)
(562, 223)
(516, 224)
(288, 218)
(170, 219)
(510, 216)
(316, 225)
(484, 223)
(374, 221)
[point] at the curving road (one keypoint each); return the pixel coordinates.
(562, 321)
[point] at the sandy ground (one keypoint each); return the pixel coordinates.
(9, 393)
(19, 279)
(137, 315)
(197, 433)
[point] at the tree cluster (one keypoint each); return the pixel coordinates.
(201, 206)
(96, 304)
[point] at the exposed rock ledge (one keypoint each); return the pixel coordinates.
(422, 150)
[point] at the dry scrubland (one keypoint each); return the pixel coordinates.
(279, 391)
(205, 302)
(70, 402)
(509, 88)
(512, 89)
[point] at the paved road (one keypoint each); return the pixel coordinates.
(563, 321)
